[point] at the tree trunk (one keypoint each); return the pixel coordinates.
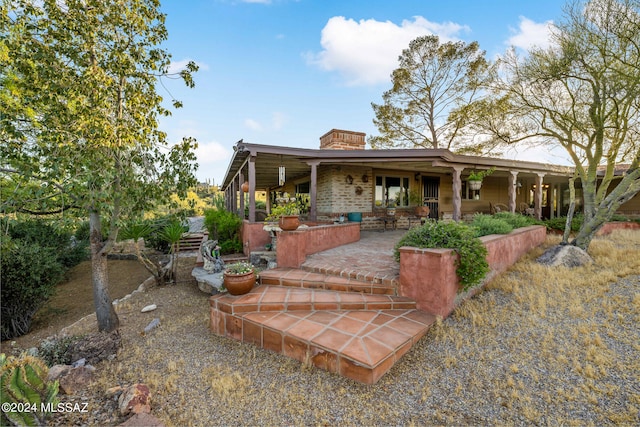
(596, 215)
(572, 208)
(106, 314)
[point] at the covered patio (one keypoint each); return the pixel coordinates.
(343, 178)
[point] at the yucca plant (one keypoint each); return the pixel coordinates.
(172, 233)
(26, 395)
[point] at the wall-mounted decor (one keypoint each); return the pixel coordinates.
(358, 190)
(365, 178)
(349, 179)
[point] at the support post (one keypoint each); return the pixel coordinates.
(513, 182)
(457, 193)
(538, 196)
(313, 193)
(252, 189)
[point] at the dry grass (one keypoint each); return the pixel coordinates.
(538, 346)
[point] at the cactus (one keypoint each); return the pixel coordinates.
(25, 393)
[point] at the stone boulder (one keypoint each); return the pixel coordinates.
(142, 419)
(76, 379)
(96, 347)
(135, 399)
(565, 256)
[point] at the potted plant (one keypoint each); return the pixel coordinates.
(286, 214)
(415, 198)
(239, 278)
(391, 208)
(475, 178)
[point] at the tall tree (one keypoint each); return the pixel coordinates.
(582, 93)
(79, 116)
(433, 85)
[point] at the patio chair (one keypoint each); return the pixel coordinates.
(390, 218)
(499, 207)
(526, 210)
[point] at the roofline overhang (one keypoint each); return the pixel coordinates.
(440, 157)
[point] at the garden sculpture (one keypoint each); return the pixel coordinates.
(211, 256)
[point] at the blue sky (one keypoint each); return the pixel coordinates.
(284, 72)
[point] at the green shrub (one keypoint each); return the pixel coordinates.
(57, 350)
(517, 220)
(487, 224)
(559, 223)
(24, 386)
(136, 230)
(67, 250)
(224, 227)
(472, 264)
(29, 275)
(152, 231)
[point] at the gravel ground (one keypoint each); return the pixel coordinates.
(564, 350)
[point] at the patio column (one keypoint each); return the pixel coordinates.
(252, 189)
(241, 193)
(513, 181)
(537, 208)
(313, 194)
(457, 193)
(234, 195)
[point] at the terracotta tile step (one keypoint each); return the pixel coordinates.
(384, 278)
(267, 298)
(359, 344)
(314, 280)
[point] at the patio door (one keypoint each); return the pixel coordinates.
(431, 194)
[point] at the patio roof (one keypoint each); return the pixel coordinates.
(298, 161)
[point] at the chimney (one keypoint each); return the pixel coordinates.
(337, 139)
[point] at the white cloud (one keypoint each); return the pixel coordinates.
(177, 66)
(211, 152)
(253, 124)
(213, 159)
(530, 34)
(367, 51)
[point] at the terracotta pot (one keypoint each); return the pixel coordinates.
(422, 210)
(245, 187)
(289, 222)
(239, 284)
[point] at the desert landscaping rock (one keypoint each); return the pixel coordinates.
(56, 371)
(149, 308)
(76, 379)
(96, 347)
(143, 419)
(152, 325)
(565, 256)
(135, 399)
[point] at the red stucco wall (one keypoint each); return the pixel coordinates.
(428, 275)
(292, 247)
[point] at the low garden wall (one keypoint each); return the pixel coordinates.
(610, 226)
(292, 247)
(429, 275)
(254, 237)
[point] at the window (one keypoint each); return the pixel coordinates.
(469, 194)
(392, 191)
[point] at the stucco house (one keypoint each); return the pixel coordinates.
(343, 177)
